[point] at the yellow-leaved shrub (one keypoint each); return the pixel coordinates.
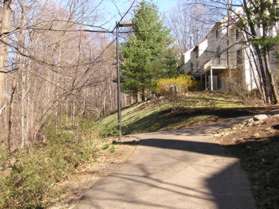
(181, 84)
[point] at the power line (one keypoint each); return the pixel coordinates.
(125, 14)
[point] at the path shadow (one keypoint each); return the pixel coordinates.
(166, 118)
(229, 188)
(189, 146)
(260, 158)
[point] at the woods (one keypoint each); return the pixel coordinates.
(56, 80)
(51, 67)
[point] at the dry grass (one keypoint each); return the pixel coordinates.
(165, 114)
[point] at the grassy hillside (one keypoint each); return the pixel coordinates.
(28, 177)
(170, 114)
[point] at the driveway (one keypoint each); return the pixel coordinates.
(173, 170)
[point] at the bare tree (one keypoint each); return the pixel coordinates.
(190, 23)
(62, 66)
(5, 28)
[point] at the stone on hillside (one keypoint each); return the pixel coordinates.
(238, 141)
(260, 117)
(257, 135)
(276, 126)
(6, 172)
(249, 121)
(246, 123)
(269, 129)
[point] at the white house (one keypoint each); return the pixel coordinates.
(221, 61)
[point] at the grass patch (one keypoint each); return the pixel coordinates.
(169, 114)
(29, 181)
(260, 159)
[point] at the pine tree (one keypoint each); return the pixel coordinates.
(147, 55)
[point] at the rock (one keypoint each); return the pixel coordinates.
(247, 123)
(12, 161)
(259, 122)
(269, 129)
(6, 172)
(238, 141)
(276, 126)
(257, 135)
(260, 117)
(251, 120)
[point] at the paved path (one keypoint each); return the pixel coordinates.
(185, 170)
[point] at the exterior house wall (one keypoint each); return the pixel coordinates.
(195, 60)
(249, 76)
(204, 54)
(187, 61)
(211, 55)
(275, 51)
(274, 60)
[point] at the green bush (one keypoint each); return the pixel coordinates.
(36, 170)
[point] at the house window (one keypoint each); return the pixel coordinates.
(277, 12)
(237, 34)
(276, 7)
(217, 33)
(196, 52)
(239, 57)
(218, 59)
(218, 55)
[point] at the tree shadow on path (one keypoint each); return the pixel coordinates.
(166, 118)
(229, 187)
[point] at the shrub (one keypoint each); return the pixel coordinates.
(180, 84)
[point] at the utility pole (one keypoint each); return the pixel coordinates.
(119, 105)
(119, 95)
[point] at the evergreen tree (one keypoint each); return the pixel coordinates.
(147, 55)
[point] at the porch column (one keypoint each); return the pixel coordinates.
(205, 81)
(201, 82)
(211, 80)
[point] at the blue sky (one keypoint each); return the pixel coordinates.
(112, 14)
(109, 13)
(164, 5)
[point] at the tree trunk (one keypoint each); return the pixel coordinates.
(143, 95)
(269, 90)
(273, 89)
(24, 81)
(5, 26)
(10, 107)
(262, 69)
